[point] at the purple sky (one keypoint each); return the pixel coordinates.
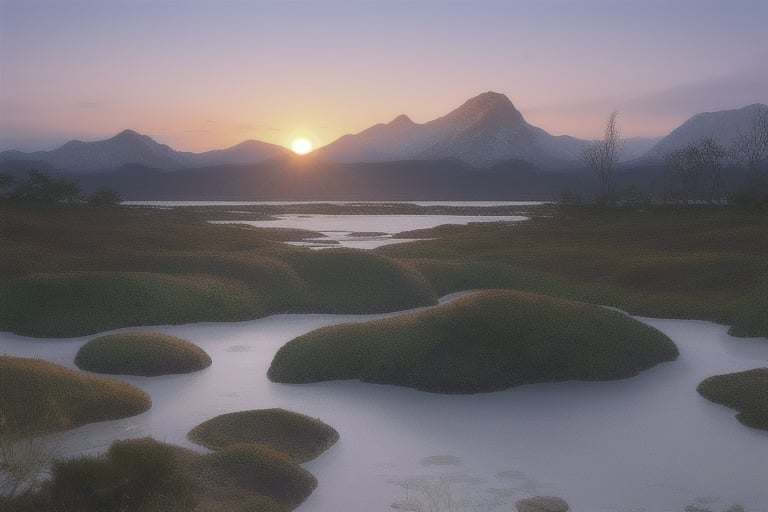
(205, 74)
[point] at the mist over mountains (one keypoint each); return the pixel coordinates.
(482, 149)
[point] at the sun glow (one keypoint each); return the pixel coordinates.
(301, 146)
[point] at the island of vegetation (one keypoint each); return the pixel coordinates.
(746, 392)
(144, 475)
(486, 341)
(301, 437)
(138, 353)
(40, 397)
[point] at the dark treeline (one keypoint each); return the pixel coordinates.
(35, 185)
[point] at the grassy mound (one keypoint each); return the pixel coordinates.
(354, 281)
(73, 304)
(39, 397)
(746, 392)
(484, 342)
(261, 470)
(297, 435)
(138, 353)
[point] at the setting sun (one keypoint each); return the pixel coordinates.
(301, 146)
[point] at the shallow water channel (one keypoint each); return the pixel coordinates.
(648, 443)
(365, 231)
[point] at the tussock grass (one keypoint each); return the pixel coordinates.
(138, 475)
(40, 397)
(261, 470)
(299, 436)
(139, 353)
(746, 392)
(484, 342)
(144, 475)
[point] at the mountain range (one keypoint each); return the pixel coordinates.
(485, 132)
(130, 147)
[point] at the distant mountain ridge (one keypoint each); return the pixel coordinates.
(724, 126)
(130, 147)
(484, 131)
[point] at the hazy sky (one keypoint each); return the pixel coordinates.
(205, 74)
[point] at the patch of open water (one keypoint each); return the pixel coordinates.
(648, 443)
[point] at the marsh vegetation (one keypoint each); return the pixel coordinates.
(746, 392)
(148, 354)
(296, 435)
(484, 342)
(129, 267)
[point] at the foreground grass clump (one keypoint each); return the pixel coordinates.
(144, 475)
(299, 436)
(484, 342)
(138, 353)
(746, 392)
(40, 397)
(260, 469)
(135, 476)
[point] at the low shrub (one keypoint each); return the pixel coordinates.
(147, 354)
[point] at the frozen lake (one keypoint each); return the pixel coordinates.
(648, 443)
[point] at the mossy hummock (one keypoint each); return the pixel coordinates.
(39, 397)
(260, 469)
(487, 341)
(301, 437)
(746, 392)
(138, 353)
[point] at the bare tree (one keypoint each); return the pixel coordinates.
(602, 157)
(751, 148)
(699, 166)
(711, 154)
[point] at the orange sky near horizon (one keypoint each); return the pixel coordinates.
(204, 74)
